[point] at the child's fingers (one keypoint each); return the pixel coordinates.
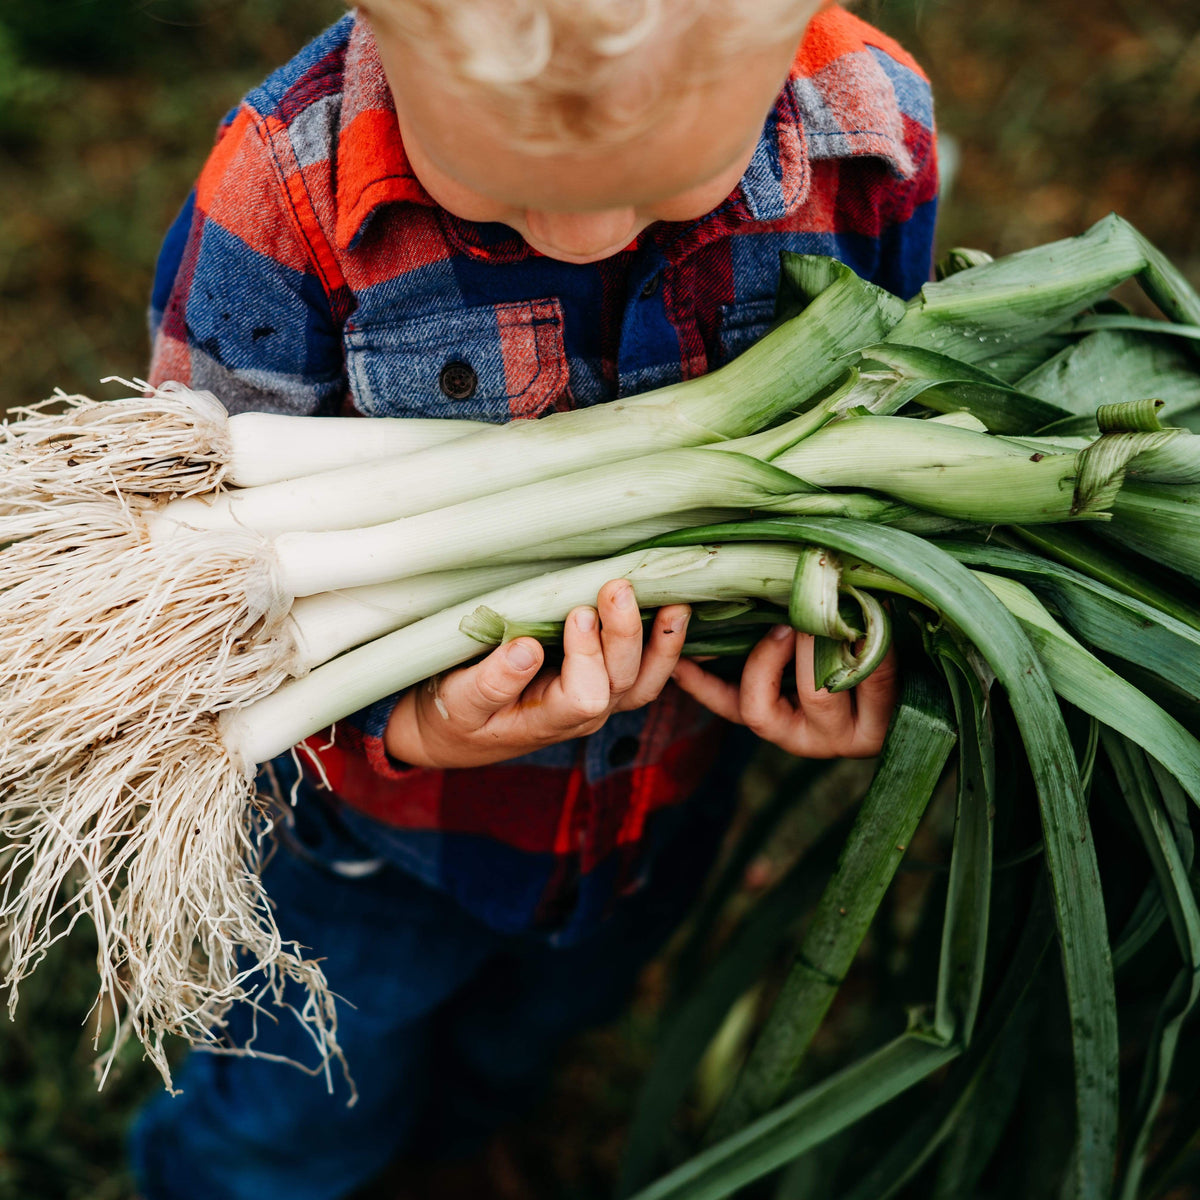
(582, 692)
(472, 695)
(764, 709)
(715, 694)
(828, 716)
(620, 634)
(660, 656)
(875, 699)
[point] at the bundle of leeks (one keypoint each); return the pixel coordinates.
(982, 457)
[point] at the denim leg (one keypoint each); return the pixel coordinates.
(394, 950)
(498, 1038)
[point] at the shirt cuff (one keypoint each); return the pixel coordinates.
(372, 721)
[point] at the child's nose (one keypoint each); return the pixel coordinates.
(580, 235)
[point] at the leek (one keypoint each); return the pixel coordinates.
(174, 441)
(208, 634)
(782, 372)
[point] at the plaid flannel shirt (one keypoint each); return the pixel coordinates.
(309, 272)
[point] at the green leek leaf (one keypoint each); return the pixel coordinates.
(915, 751)
(1069, 850)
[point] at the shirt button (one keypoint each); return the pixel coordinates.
(623, 751)
(458, 381)
(651, 285)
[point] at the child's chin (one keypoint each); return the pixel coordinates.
(577, 259)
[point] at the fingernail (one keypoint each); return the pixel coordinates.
(521, 656)
(585, 619)
(779, 632)
(626, 598)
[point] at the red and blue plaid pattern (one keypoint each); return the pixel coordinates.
(310, 272)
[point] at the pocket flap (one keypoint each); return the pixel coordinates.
(488, 363)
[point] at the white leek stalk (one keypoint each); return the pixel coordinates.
(780, 373)
(173, 441)
(329, 623)
(303, 706)
(471, 532)
(604, 543)
(267, 448)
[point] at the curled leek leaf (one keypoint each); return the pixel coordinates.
(814, 605)
(839, 666)
(1130, 416)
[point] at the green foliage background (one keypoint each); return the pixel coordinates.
(1058, 111)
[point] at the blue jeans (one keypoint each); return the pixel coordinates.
(449, 1027)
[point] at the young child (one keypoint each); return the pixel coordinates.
(494, 210)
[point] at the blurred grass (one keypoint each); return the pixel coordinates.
(106, 114)
(1059, 112)
(1063, 112)
(61, 1139)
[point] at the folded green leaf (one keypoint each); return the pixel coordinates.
(1100, 615)
(962, 598)
(1112, 366)
(1083, 680)
(916, 748)
(977, 313)
(947, 384)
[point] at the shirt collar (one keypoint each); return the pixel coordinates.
(372, 167)
(838, 102)
(776, 181)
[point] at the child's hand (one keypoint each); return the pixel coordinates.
(819, 724)
(502, 707)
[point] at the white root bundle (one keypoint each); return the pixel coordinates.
(111, 806)
(94, 637)
(91, 819)
(172, 442)
(153, 840)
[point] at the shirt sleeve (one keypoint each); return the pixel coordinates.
(240, 306)
(906, 243)
(908, 207)
(370, 725)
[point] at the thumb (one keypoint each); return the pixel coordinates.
(476, 693)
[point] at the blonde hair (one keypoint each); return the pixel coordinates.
(567, 72)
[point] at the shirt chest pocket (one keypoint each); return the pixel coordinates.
(489, 363)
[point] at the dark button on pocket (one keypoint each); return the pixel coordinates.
(458, 381)
(490, 362)
(623, 751)
(651, 285)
